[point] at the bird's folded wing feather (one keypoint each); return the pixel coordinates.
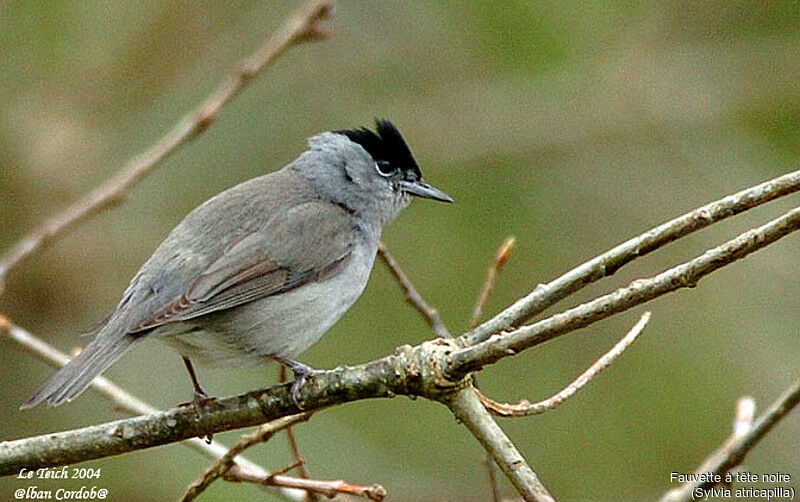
(305, 244)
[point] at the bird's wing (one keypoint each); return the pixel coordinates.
(305, 244)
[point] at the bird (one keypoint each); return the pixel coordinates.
(259, 272)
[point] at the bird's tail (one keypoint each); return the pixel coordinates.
(71, 380)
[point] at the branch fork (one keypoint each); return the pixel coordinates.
(426, 362)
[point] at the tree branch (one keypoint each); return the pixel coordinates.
(525, 408)
(545, 295)
(686, 275)
(494, 484)
(483, 426)
(120, 399)
(126, 402)
(735, 448)
(466, 406)
(223, 464)
(305, 25)
(412, 296)
(500, 259)
(743, 418)
(325, 488)
(293, 448)
(410, 371)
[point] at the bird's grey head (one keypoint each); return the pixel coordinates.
(372, 174)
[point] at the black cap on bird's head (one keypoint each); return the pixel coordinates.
(393, 159)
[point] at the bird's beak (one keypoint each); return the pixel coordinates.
(424, 190)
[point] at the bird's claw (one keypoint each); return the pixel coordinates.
(301, 374)
(199, 399)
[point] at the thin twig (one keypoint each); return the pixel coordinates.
(686, 275)
(737, 446)
(494, 485)
(298, 459)
(223, 464)
(545, 295)
(500, 259)
(503, 253)
(122, 400)
(469, 410)
(412, 296)
(525, 408)
(326, 488)
(304, 26)
(743, 418)
(119, 398)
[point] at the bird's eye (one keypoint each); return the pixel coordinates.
(384, 168)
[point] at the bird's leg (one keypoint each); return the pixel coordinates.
(301, 373)
(200, 395)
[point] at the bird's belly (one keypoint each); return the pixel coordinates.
(285, 324)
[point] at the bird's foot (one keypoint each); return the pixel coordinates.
(301, 373)
(199, 400)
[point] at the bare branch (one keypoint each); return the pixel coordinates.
(322, 487)
(545, 295)
(686, 275)
(494, 484)
(503, 253)
(305, 25)
(738, 445)
(466, 406)
(123, 401)
(743, 418)
(223, 464)
(407, 372)
(525, 408)
(120, 399)
(412, 296)
(296, 457)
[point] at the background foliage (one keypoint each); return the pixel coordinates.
(572, 125)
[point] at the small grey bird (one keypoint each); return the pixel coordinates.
(261, 271)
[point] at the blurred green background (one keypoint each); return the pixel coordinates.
(572, 125)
